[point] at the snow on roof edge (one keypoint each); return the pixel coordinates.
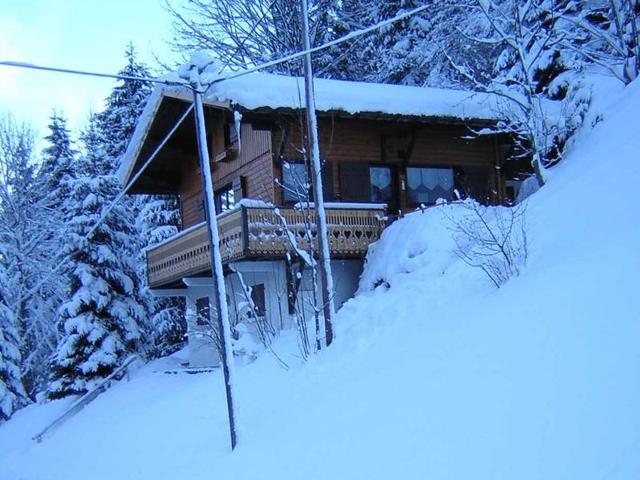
(139, 134)
(265, 90)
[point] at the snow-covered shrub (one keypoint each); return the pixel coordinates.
(243, 331)
(491, 238)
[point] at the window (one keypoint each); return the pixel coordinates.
(426, 185)
(231, 136)
(258, 299)
(512, 190)
(380, 187)
(225, 199)
(362, 182)
(295, 182)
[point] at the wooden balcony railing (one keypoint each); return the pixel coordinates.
(259, 233)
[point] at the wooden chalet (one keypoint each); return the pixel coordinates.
(385, 149)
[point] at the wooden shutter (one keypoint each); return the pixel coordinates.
(239, 186)
(327, 181)
(354, 182)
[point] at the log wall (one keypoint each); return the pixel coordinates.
(343, 142)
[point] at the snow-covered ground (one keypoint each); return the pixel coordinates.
(440, 376)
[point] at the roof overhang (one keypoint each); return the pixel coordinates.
(161, 136)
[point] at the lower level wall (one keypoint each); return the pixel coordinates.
(268, 280)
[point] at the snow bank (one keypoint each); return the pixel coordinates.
(439, 375)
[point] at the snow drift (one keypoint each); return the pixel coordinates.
(437, 375)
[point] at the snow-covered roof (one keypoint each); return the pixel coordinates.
(258, 90)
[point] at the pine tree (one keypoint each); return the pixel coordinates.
(58, 164)
(102, 320)
(156, 217)
(123, 107)
(159, 220)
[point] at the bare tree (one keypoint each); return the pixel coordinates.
(28, 235)
(248, 32)
(493, 239)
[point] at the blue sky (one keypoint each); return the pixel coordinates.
(80, 34)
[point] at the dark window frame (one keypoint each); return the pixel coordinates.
(288, 196)
(393, 200)
(222, 201)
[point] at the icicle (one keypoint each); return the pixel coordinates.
(237, 119)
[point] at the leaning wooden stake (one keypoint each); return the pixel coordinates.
(216, 260)
(326, 277)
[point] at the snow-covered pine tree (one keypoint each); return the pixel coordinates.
(56, 175)
(102, 319)
(15, 150)
(156, 217)
(157, 221)
(26, 230)
(411, 51)
(12, 392)
(116, 123)
(123, 107)
(58, 160)
(396, 53)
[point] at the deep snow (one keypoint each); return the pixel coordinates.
(439, 376)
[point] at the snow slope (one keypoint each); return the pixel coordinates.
(439, 376)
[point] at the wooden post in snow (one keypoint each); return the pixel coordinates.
(216, 260)
(326, 277)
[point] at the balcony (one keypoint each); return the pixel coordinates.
(259, 233)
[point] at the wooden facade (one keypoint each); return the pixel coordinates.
(250, 164)
(348, 146)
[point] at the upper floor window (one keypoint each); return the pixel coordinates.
(225, 199)
(380, 187)
(231, 136)
(425, 185)
(295, 182)
(363, 182)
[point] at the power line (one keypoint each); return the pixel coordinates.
(294, 56)
(108, 210)
(345, 38)
(33, 66)
(324, 46)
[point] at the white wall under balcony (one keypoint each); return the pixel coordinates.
(271, 274)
